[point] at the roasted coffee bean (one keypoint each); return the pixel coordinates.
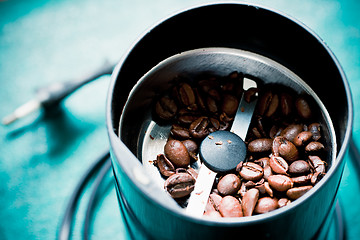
(187, 119)
(185, 111)
(315, 128)
(261, 188)
(283, 202)
(179, 185)
(238, 79)
(225, 121)
(198, 128)
(186, 94)
(166, 168)
(302, 180)
(299, 167)
(278, 165)
(317, 164)
(268, 103)
(212, 105)
(256, 132)
(263, 162)
(260, 145)
(179, 132)
(272, 106)
(302, 138)
(213, 93)
(266, 204)
(303, 108)
(235, 75)
(249, 201)
(291, 131)
(215, 125)
(250, 184)
(314, 147)
(260, 125)
(316, 177)
(250, 94)
(213, 205)
(215, 199)
(228, 87)
(286, 104)
(263, 102)
(200, 100)
(191, 146)
(229, 104)
(177, 153)
(225, 118)
(229, 184)
(251, 171)
(192, 172)
(166, 108)
(296, 192)
(268, 189)
(206, 85)
(242, 189)
(285, 148)
(275, 131)
(210, 206)
(230, 207)
(280, 183)
(267, 172)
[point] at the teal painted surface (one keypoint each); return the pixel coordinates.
(43, 157)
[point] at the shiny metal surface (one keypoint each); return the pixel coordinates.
(244, 112)
(271, 35)
(146, 138)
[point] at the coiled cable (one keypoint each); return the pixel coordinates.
(68, 219)
(91, 204)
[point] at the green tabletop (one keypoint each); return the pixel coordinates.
(44, 155)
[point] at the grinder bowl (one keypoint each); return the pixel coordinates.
(303, 218)
(146, 138)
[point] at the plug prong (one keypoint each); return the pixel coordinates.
(22, 111)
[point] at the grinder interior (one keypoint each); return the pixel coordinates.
(146, 138)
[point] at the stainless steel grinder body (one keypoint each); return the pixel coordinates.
(257, 30)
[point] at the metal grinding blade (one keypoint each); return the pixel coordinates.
(221, 151)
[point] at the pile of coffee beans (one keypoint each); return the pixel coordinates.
(284, 146)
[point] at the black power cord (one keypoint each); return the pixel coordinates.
(50, 96)
(105, 168)
(67, 222)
